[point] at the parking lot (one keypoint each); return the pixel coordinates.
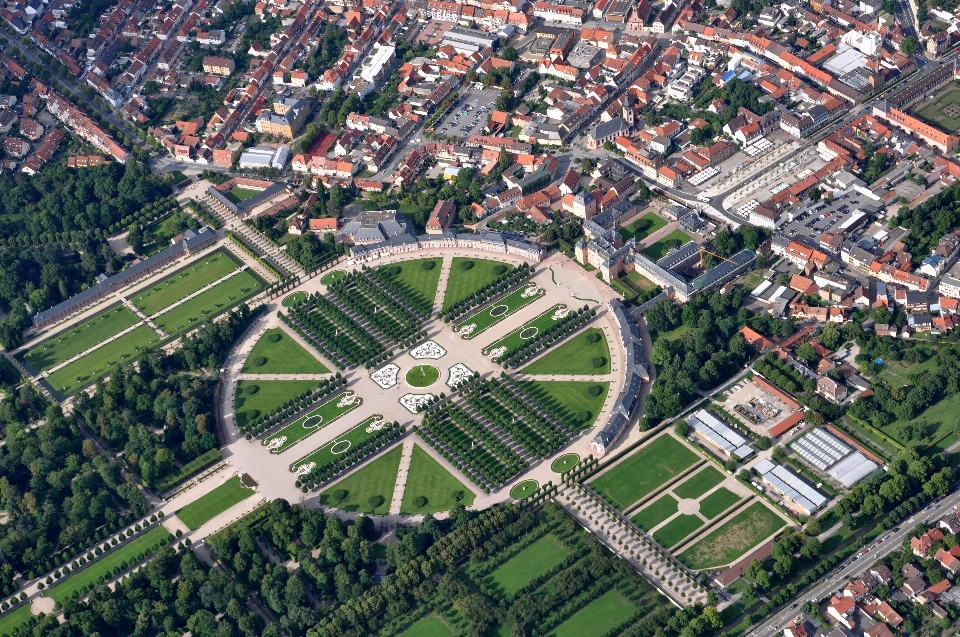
(842, 214)
(470, 114)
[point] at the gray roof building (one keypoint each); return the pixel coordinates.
(376, 226)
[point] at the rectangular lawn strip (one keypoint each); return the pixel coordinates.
(204, 509)
(284, 356)
(429, 479)
(185, 282)
(14, 619)
(653, 514)
(643, 227)
(699, 483)
(734, 538)
(718, 502)
(599, 616)
(530, 329)
(574, 356)
(312, 422)
(430, 626)
(79, 339)
(99, 362)
(270, 395)
(528, 564)
(498, 311)
(217, 299)
(375, 480)
(420, 282)
(659, 249)
(462, 283)
(677, 529)
(639, 474)
(92, 572)
(568, 398)
(330, 452)
(242, 194)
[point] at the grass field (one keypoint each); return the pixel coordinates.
(523, 489)
(421, 282)
(79, 339)
(656, 512)
(270, 395)
(936, 111)
(643, 227)
(217, 299)
(328, 454)
(241, 194)
(677, 529)
(936, 421)
(157, 236)
(422, 375)
(376, 480)
(528, 564)
(599, 616)
(311, 422)
(699, 483)
(734, 538)
(195, 514)
(429, 626)
(570, 397)
(283, 356)
(529, 330)
(897, 373)
(574, 356)
(429, 479)
(185, 282)
(462, 283)
(638, 282)
(296, 297)
(332, 277)
(126, 553)
(497, 311)
(718, 502)
(98, 363)
(12, 620)
(659, 249)
(565, 462)
(649, 467)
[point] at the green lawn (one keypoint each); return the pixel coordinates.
(126, 553)
(935, 110)
(574, 356)
(718, 502)
(369, 489)
(283, 356)
(655, 513)
(99, 362)
(730, 541)
(565, 462)
(422, 375)
(673, 334)
(659, 249)
(699, 483)
(185, 282)
(498, 311)
(643, 227)
(677, 529)
(529, 330)
(462, 283)
(204, 509)
(599, 616)
(523, 489)
(638, 282)
(296, 297)
(937, 421)
(207, 305)
(14, 619)
(270, 395)
(528, 564)
(79, 339)
(429, 626)
(241, 194)
(311, 422)
(429, 479)
(330, 452)
(417, 280)
(332, 277)
(897, 373)
(570, 397)
(642, 472)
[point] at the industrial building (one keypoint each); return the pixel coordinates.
(720, 435)
(791, 486)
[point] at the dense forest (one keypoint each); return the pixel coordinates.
(935, 217)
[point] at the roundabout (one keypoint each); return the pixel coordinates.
(422, 376)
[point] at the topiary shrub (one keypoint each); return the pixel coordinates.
(583, 416)
(420, 501)
(499, 269)
(273, 338)
(338, 495)
(594, 390)
(427, 265)
(458, 495)
(598, 361)
(466, 265)
(375, 501)
(593, 337)
(260, 361)
(250, 390)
